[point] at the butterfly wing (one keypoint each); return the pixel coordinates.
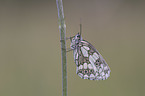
(90, 63)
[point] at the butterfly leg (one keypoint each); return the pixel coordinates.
(68, 49)
(66, 38)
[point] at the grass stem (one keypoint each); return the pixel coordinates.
(62, 28)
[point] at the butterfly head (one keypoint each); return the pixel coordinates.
(75, 41)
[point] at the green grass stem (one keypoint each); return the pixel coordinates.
(62, 28)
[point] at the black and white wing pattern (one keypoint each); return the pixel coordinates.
(90, 63)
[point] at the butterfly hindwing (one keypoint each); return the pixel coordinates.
(90, 64)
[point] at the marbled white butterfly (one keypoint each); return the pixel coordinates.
(90, 63)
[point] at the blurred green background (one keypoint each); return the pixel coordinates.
(30, 55)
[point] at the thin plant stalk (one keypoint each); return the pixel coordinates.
(62, 28)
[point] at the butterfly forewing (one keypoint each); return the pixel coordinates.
(90, 64)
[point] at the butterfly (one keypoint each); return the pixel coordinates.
(89, 62)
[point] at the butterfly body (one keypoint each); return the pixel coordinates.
(89, 62)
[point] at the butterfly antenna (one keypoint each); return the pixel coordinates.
(80, 28)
